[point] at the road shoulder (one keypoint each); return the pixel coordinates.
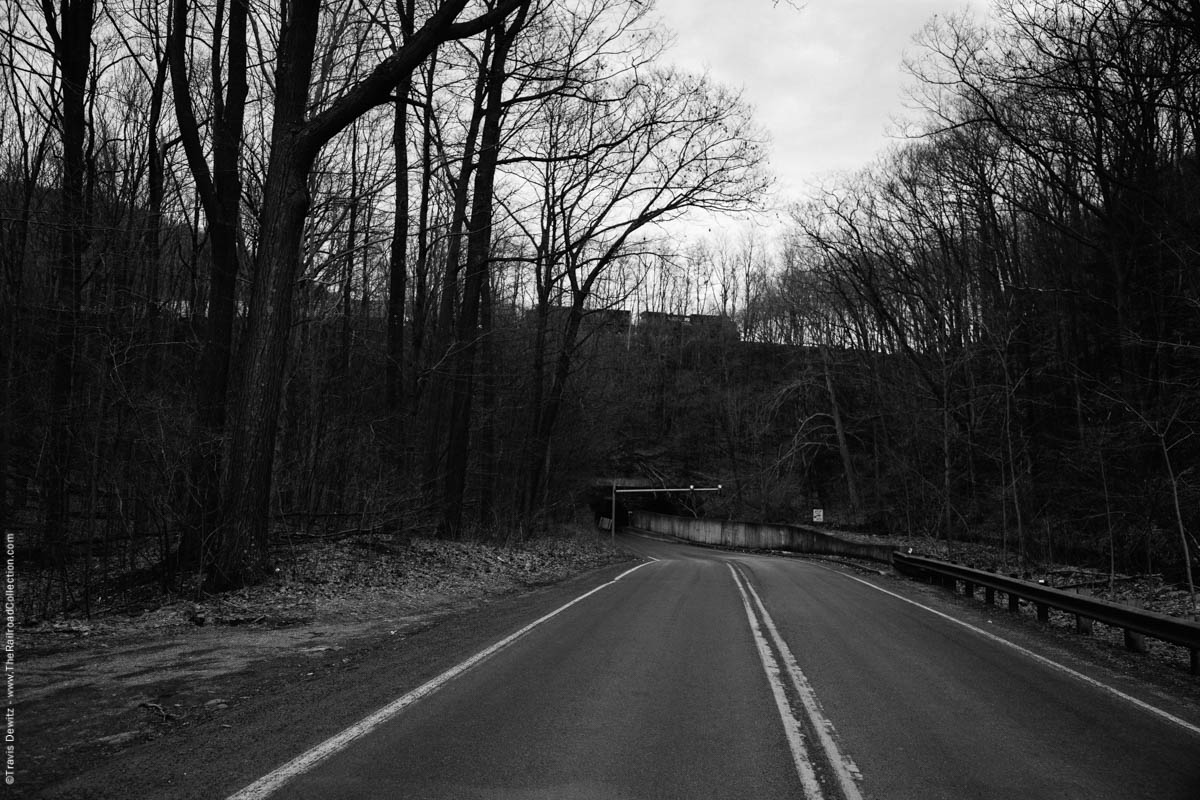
(130, 740)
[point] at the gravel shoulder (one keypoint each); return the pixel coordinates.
(195, 699)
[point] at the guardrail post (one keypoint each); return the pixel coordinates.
(1135, 642)
(1137, 624)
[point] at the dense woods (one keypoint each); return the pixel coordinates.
(320, 266)
(415, 266)
(1018, 284)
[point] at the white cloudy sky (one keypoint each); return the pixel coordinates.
(825, 79)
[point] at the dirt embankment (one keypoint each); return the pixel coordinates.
(88, 690)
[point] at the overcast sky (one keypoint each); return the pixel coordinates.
(825, 79)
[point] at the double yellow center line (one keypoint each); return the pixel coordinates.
(806, 725)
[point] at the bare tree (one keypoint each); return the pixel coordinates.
(636, 153)
(219, 187)
(25, 149)
(70, 30)
(297, 136)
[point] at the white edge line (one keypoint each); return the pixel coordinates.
(843, 765)
(1158, 712)
(791, 726)
(269, 783)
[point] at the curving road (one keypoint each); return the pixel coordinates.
(706, 674)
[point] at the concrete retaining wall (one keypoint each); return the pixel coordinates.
(758, 536)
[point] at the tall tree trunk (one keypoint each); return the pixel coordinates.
(295, 142)
(536, 469)
(220, 194)
(152, 247)
(241, 547)
(246, 486)
(398, 267)
(479, 242)
(71, 33)
(840, 432)
(398, 255)
(341, 375)
(1173, 482)
(488, 467)
(437, 398)
(14, 325)
(421, 301)
(947, 474)
(534, 450)
(352, 212)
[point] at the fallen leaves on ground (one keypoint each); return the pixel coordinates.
(357, 577)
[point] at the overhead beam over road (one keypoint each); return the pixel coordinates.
(650, 490)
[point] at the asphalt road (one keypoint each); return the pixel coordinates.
(706, 674)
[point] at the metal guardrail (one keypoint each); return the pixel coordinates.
(1135, 622)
